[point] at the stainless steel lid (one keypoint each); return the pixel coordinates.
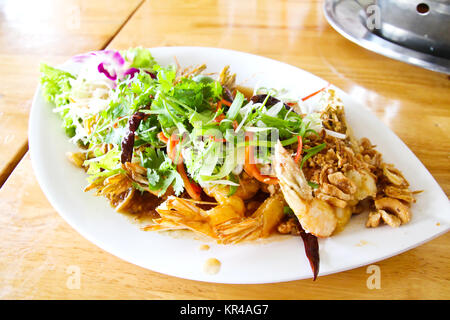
(413, 31)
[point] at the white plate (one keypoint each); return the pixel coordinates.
(273, 261)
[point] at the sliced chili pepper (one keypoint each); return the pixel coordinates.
(298, 156)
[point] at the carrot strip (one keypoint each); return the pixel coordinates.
(213, 138)
(314, 93)
(219, 118)
(171, 144)
(252, 170)
(298, 156)
(162, 137)
(219, 105)
(191, 187)
(225, 102)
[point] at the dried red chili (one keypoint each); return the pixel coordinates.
(128, 139)
(312, 250)
(259, 98)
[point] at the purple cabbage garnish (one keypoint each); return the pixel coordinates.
(151, 74)
(111, 64)
(130, 72)
(101, 68)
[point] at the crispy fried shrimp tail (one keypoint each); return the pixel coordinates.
(224, 223)
(233, 232)
(177, 213)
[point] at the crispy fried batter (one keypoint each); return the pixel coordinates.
(227, 79)
(333, 117)
(343, 160)
(189, 73)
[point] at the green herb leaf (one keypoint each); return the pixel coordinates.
(313, 184)
(235, 106)
(310, 152)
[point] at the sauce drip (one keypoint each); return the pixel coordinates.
(212, 266)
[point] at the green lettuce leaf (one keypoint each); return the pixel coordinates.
(140, 57)
(55, 84)
(104, 165)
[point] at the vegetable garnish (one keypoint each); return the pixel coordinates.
(251, 168)
(192, 189)
(162, 137)
(177, 137)
(299, 149)
(311, 152)
(127, 101)
(315, 93)
(225, 102)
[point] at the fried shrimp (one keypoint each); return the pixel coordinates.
(316, 216)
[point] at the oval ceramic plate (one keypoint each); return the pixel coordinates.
(260, 262)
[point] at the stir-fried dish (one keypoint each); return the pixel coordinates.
(195, 151)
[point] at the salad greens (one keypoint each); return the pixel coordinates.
(186, 117)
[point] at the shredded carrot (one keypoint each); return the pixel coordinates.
(252, 170)
(298, 156)
(191, 187)
(219, 118)
(314, 93)
(171, 144)
(213, 138)
(219, 105)
(161, 136)
(225, 102)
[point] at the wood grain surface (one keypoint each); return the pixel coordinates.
(44, 31)
(39, 251)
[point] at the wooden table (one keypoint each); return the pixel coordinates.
(38, 250)
(44, 31)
